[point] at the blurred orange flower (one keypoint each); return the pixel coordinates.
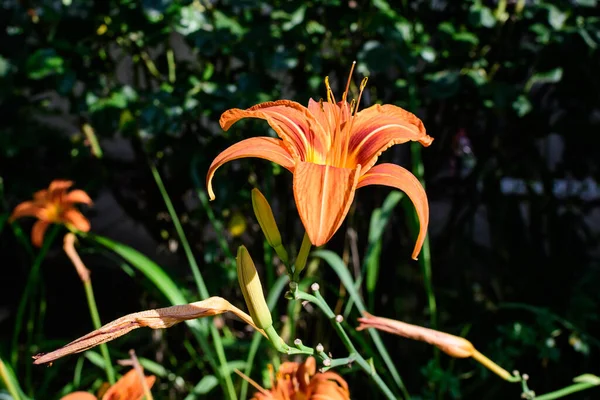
(331, 150)
(129, 387)
(54, 206)
(295, 381)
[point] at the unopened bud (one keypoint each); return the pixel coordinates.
(252, 289)
(266, 220)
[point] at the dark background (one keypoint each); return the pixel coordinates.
(508, 89)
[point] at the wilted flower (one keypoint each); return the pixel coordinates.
(296, 381)
(454, 346)
(54, 206)
(331, 150)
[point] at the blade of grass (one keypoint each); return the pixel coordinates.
(336, 263)
(30, 286)
(218, 343)
(10, 381)
(272, 298)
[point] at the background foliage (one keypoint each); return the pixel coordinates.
(508, 89)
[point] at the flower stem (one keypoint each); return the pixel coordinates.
(557, 394)
(319, 301)
(91, 300)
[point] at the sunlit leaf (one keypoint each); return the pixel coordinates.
(44, 63)
(552, 76)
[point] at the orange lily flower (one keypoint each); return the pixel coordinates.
(331, 150)
(295, 381)
(54, 206)
(129, 387)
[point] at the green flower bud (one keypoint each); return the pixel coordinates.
(252, 289)
(267, 223)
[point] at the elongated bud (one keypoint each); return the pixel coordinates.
(267, 223)
(252, 289)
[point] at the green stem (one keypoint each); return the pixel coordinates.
(32, 281)
(577, 387)
(91, 300)
(218, 343)
(318, 300)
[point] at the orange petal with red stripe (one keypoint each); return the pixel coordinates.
(323, 196)
(397, 177)
(260, 147)
(293, 123)
(379, 127)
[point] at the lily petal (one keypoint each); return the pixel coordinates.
(25, 209)
(79, 396)
(260, 147)
(379, 127)
(38, 231)
(57, 189)
(75, 218)
(327, 115)
(129, 387)
(77, 196)
(395, 176)
(323, 196)
(293, 123)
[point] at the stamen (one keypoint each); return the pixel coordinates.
(346, 149)
(321, 105)
(348, 83)
(363, 85)
(330, 96)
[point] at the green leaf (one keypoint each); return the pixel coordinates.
(205, 386)
(44, 63)
(466, 37)
(522, 106)
(296, 18)
(192, 19)
(336, 263)
(4, 67)
(379, 220)
(552, 76)
(587, 3)
(556, 18)
(481, 16)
